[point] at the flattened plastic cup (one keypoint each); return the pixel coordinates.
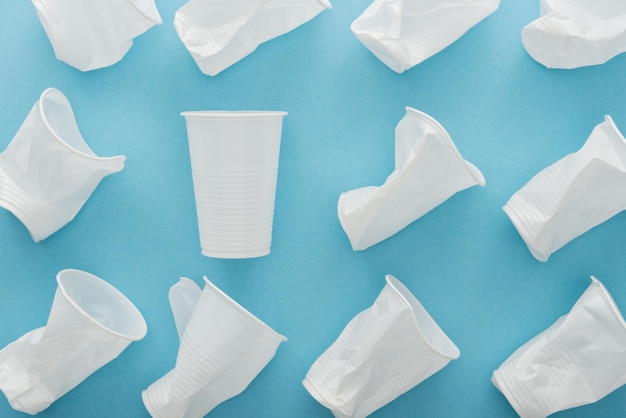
(234, 164)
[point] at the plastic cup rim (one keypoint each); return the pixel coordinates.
(231, 301)
(142, 326)
(154, 19)
(44, 118)
(405, 294)
(234, 114)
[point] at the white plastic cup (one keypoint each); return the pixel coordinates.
(223, 347)
(90, 324)
(234, 164)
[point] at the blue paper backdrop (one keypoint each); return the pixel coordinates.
(464, 260)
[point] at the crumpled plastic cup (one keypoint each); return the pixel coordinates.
(573, 195)
(404, 33)
(576, 33)
(429, 170)
(382, 353)
(222, 349)
(234, 163)
(48, 171)
(219, 33)
(578, 360)
(92, 34)
(90, 324)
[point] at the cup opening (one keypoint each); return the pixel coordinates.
(58, 117)
(471, 169)
(234, 114)
(431, 333)
(240, 308)
(325, 3)
(609, 300)
(102, 303)
(148, 9)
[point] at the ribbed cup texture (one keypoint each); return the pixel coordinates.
(563, 387)
(235, 211)
(198, 384)
(28, 210)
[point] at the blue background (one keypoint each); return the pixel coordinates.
(464, 261)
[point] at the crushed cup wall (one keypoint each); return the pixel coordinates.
(90, 324)
(382, 353)
(573, 195)
(220, 33)
(576, 33)
(578, 360)
(428, 170)
(222, 349)
(48, 171)
(92, 34)
(404, 33)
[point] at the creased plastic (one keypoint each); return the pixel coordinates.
(222, 349)
(403, 33)
(573, 195)
(48, 171)
(92, 34)
(576, 33)
(429, 169)
(578, 360)
(219, 33)
(382, 353)
(90, 324)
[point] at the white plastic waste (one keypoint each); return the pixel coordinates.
(219, 33)
(234, 163)
(90, 324)
(429, 170)
(222, 349)
(92, 34)
(578, 360)
(578, 192)
(382, 353)
(576, 33)
(404, 33)
(48, 171)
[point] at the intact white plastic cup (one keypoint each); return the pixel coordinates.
(234, 164)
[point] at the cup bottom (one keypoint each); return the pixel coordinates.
(234, 254)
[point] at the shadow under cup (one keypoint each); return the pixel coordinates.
(234, 164)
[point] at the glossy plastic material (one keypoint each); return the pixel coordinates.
(90, 324)
(92, 34)
(48, 171)
(222, 349)
(220, 33)
(404, 33)
(429, 169)
(573, 195)
(234, 163)
(578, 360)
(382, 353)
(576, 33)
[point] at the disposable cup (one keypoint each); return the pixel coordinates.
(90, 324)
(234, 164)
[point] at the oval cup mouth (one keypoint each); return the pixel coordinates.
(473, 171)
(240, 308)
(66, 103)
(234, 114)
(152, 15)
(450, 350)
(132, 312)
(325, 3)
(609, 300)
